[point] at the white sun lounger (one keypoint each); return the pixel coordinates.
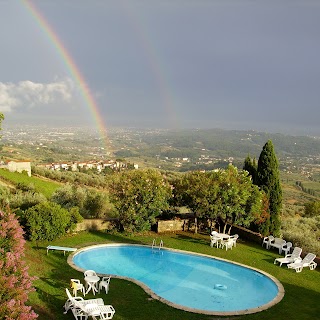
(82, 309)
(72, 301)
(64, 249)
(308, 261)
(290, 257)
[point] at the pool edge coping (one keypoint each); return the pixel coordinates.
(153, 295)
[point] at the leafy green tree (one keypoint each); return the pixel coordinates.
(48, 221)
(198, 191)
(261, 215)
(312, 209)
(15, 282)
(224, 194)
(235, 198)
(95, 204)
(250, 165)
(1, 119)
(139, 196)
(269, 181)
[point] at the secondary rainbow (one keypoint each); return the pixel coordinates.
(71, 66)
(156, 64)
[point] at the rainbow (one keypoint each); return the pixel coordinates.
(71, 67)
(155, 62)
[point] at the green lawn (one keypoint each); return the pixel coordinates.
(301, 300)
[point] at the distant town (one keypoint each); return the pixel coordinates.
(78, 148)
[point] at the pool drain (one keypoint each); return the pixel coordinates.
(220, 286)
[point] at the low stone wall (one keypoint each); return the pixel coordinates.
(94, 224)
(172, 225)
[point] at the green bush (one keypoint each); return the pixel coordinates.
(48, 221)
(312, 209)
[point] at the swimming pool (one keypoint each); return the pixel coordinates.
(187, 281)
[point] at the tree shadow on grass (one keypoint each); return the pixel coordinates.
(115, 237)
(101, 237)
(298, 303)
(198, 240)
(50, 289)
(50, 300)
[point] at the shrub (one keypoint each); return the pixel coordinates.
(15, 282)
(303, 232)
(48, 221)
(312, 209)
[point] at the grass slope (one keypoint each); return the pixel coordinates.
(42, 186)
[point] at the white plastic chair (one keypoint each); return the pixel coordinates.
(267, 241)
(286, 248)
(234, 239)
(228, 244)
(104, 283)
(77, 286)
(214, 241)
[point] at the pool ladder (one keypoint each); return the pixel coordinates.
(154, 244)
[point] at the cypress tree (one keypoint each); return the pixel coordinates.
(269, 181)
(251, 166)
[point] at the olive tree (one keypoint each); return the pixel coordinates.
(90, 202)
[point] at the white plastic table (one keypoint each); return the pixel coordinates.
(221, 237)
(92, 282)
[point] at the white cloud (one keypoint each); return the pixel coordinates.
(28, 94)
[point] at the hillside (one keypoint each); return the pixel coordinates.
(43, 144)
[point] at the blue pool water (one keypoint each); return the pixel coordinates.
(186, 280)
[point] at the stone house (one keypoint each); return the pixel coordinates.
(19, 166)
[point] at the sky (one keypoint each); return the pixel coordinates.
(231, 64)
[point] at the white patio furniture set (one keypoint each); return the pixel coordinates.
(82, 309)
(95, 308)
(223, 240)
(92, 282)
(292, 260)
(278, 243)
